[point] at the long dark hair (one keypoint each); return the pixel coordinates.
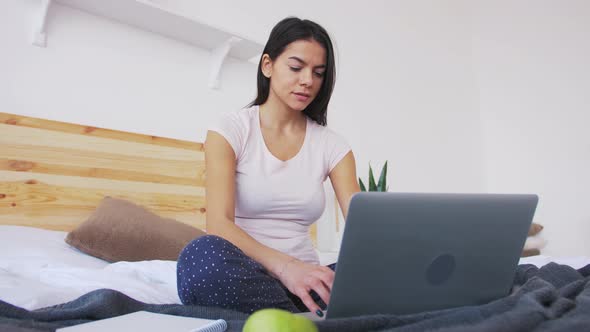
(284, 33)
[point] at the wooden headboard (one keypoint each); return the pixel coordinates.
(54, 174)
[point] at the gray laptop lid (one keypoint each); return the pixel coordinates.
(407, 253)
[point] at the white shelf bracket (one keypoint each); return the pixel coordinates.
(39, 33)
(218, 56)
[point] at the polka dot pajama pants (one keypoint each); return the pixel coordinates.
(211, 271)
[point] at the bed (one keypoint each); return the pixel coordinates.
(55, 176)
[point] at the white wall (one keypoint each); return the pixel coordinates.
(533, 73)
(102, 73)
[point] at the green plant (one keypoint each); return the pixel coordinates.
(379, 186)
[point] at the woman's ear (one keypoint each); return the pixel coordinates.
(266, 66)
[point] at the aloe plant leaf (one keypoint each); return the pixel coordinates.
(362, 185)
(382, 184)
(372, 185)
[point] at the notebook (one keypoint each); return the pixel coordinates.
(148, 321)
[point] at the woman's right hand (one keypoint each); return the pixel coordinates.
(300, 278)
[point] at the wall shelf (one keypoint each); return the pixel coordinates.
(150, 16)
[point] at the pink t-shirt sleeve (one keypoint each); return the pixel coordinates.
(233, 129)
(336, 148)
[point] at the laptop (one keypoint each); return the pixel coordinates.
(406, 253)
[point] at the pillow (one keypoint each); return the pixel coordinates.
(530, 252)
(534, 242)
(535, 229)
(119, 230)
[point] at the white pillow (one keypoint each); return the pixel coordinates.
(38, 269)
(535, 242)
(42, 245)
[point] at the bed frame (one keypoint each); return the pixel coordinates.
(54, 174)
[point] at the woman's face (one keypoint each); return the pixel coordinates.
(297, 74)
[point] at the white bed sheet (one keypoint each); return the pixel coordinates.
(38, 269)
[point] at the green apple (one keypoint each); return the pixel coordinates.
(277, 320)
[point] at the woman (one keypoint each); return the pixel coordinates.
(266, 165)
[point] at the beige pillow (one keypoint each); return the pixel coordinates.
(119, 230)
(535, 229)
(530, 252)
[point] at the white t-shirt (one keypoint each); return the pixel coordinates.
(277, 201)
